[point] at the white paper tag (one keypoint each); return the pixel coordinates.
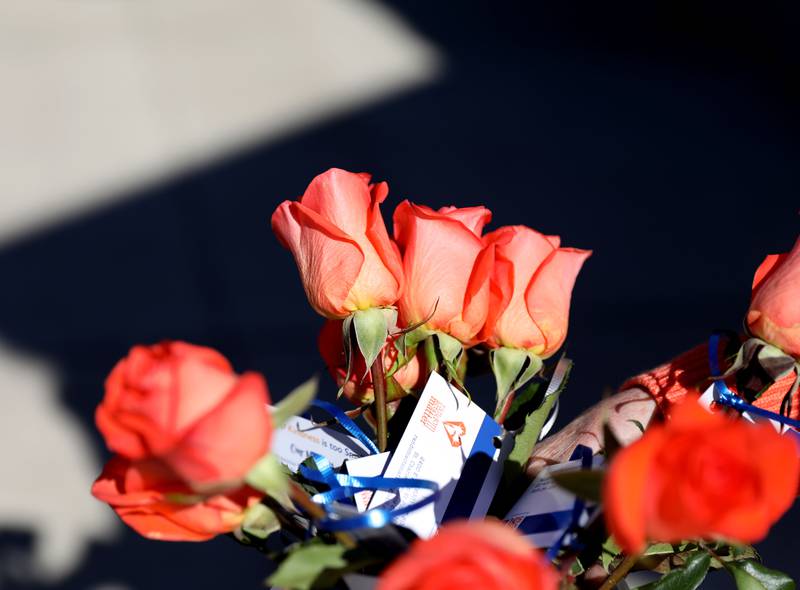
(369, 466)
(545, 510)
(298, 438)
(451, 441)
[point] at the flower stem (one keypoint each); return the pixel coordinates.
(619, 572)
(379, 387)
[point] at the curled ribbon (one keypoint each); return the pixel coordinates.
(723, 395)
(345, 486)
(347, 423)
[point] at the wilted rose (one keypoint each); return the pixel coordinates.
(447, 268)
(482, 554)
(339, 241)
(532, 286)
(150, 498)
(358, 388)
(700, 476)
(774, 313)
(184, 405)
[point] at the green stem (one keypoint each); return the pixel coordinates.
(379, 387)
(619, 572)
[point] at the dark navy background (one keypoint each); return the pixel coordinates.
(662, 135)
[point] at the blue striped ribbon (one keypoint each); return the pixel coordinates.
(723, 395)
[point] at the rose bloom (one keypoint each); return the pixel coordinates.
(700, 476)
(483, 554)
(774, 313)
(339, 241)
(157, 504)
(531, 289)
(358, 388)
(185, 405)
(445, 261)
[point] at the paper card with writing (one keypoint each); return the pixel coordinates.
(298, 438)
(545, 510)
(451, 441)
(369, 466)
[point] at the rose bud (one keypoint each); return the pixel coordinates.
(157, 504)
(358, 388)
(184, 405)
(774, 313)
(446, 267)
(531, 289)
(700, 476)
(483, 554)
(339, 241)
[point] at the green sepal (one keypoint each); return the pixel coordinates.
(512, 368)
(270, 477)
(687, 577)
(610, 551)
(584, 483)
(450, 347)
(305, 563)
(372, 329)
(259, 521)
(749, 574)
(295, 402)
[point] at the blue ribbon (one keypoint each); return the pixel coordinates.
(585, 454)
(347, 423)
(723, 395)
(345, 486)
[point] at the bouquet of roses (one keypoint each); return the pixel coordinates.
(412, 484)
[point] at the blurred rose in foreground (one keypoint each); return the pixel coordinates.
(157, 504)
(774, 313)
(700, 476)
(184, 405)
(339, 241)
(479, 554)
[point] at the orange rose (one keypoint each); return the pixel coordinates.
(482, 554)
(531, 288)
(774, 313)
(155, 502)
(358, 388)
(700, 476)
(337, 236)
(444, 260)
(185, 405)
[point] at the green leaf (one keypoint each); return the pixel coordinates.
(371, 332)
(751, 575)
(687, 577)
(660, 549)
(260, 521)
(528, 436)
(270, 477)
(306, 563)
(584, 483)
(294, 403)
